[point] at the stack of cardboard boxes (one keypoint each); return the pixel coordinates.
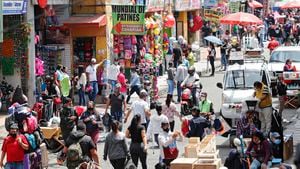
(199, 155)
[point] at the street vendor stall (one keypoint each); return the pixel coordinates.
(293, 86)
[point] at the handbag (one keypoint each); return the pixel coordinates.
(57, 100)
(88, 88)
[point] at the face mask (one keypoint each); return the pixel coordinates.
(90, 109)
(14, 135)
(203, 98)
(277, 141)
(166, 130)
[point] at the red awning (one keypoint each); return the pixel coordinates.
(97, 20)
(255, 4)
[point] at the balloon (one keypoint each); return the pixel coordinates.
(156, 31)
(169, 21)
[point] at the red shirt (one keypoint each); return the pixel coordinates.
(273, 44)
(122, 81)
(15, 153)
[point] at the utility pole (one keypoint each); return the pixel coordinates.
(31, 54)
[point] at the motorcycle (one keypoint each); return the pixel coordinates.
(186, 103)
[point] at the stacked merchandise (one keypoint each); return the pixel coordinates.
(28, 126)
(199, 155)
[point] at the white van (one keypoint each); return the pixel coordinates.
(238, 87)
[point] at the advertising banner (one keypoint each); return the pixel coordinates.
(128, 19)
(14, 7)
(210, 3)
(156, 5)
(183, 5)
(213, 15)
(234, 6)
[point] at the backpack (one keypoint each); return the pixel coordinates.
(32, 124)
(74, 154)
(32, 143)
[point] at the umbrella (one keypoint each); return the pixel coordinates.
(255, 4)
(240, 18)
(292, 4)
(213, 39)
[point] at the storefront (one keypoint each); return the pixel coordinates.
(88, 39)
(186, 12)
(14, 66)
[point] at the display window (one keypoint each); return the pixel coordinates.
(84, 50)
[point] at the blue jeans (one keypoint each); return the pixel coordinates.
(224, 60)
(81, 94)
(117, 116)
(179, 90)
(14, 165)
(256, 164)
(94, 92)
(170, 87)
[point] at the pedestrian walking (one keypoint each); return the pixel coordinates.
(177, 53)
(122, 81)
(191, 57)
(223, 55)
(113, 72)
(81, 83)
(281, 89)
(181, 74)
(92, 120)
(14, 147)
(171, 79)
(211, 58)
(115, 147)
(169, 110)
(117, 104)
(155, 121)
(167, 143)
(138, 147)
(140, 107)
(135, 84)
(91, 71)
(68, 118)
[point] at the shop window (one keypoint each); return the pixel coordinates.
(84, 50)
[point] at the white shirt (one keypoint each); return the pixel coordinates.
(190, 80)
(81, 81)
(113, 71)
(92, 72)
(181, 73)
(165, 140)
(140, 107)
(154, 125)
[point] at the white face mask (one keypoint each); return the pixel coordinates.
(203, 98)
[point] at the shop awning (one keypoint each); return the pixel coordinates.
(255, 4)
(97, 20)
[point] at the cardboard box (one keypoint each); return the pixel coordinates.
(213, 155)
(288, 147)
(194, 140)
(207, 164)
(191, 150)
(183, 163)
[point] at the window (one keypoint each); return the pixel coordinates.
(241, 79)
(282, 56)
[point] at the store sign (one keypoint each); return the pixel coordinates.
(210, 3)
(234, 6)
(182, 5)
(14, 7)
(128, 19)
(156, 5)
(1, 23)
(213, 15)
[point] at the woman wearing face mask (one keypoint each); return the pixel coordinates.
(276, 144)
(259, 149)
(138, 147)
(167, 142)
(91, 118)
(169, 110)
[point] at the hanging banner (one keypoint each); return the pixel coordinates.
(14, 7)
(213, 15)
(128, 19)
(183, 5)
(234, 6)
(156, 5)
(210, 3)
(1, 22)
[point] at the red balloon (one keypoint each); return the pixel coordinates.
(198, 23)
(169, 21)
(42, 3)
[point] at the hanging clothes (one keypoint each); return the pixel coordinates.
(39, 67)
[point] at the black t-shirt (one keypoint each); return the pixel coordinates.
(136, 134)
(177, 53)
(116, 103)
(86, 143)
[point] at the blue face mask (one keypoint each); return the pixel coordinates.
(277, 141)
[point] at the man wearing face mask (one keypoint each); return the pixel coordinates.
(192, 81)
(92, 119)
(68, 118)
(197, 124)
(276, 145)
(14, 146)
(205, 105)
(167, 142)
